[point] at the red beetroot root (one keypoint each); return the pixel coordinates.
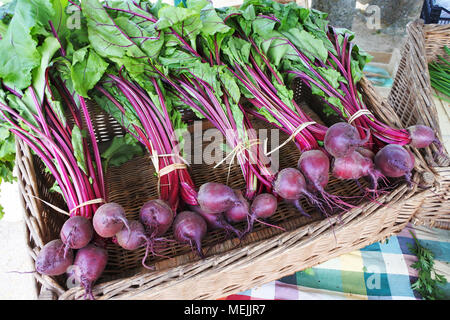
(76, 232)
(190, 227)
(157, 217)
(342, 139)
(52, 261)
(136, 239)
(356, 166)
(395, 161)
(315, 167)
(216, 197)
(89, 264)
(109, 219)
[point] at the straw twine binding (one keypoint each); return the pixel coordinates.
(412, 96)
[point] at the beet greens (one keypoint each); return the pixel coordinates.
(301, 44)
(64, 145)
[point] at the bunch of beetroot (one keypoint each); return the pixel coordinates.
(81, 252)
(352, 159)
(219, 207)
(76, 253)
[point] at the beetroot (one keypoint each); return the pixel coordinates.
(52, 261)
(136, 239)
(366, 152)
(109, 219)
(76, 232)
(315, 166)
(190, 227)
(213, 220)
(89, 264)
(421, 136)
(395, 161)
(290, 184)
(240, 211)
(342, 139)
(216, 220)
(132, 241)
(355, 166)
(263, 206)
(157, 217)
(216, 197)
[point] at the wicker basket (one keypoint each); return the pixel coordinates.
(230, 266)
(412, 97)
(266, 254)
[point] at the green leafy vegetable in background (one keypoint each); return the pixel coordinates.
(428, 282)
(440, 75)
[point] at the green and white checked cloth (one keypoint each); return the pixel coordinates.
(381, 271)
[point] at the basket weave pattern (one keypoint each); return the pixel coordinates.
(412, 96)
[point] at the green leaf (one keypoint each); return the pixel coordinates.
(27, 111)
(211, 22)
(357, 73)
(229, 82)
(332, 76)
(121, 150)
(248, 10)
(104, 36)
(47, 51)
(307, 43)
(78, 150)
(128, 120)
(285, 94)
(237, 50)
(19, 54)
(185, 22)
(3, 29)
(87, 69)
(337, 103)
(137, 69)
(7, 149)
(268, 116)
(263, 26)
(56, 188)
(427, 286)
(148, 39)
(177, 59)
(309, 271)
(238, 118)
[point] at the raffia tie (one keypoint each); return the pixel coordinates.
(167, 169)
(86, 203)
(358, 114)
(238, 149)
(292, 136)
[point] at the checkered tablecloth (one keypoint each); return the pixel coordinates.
(378, 271)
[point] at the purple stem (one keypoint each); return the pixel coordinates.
(96, 151)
